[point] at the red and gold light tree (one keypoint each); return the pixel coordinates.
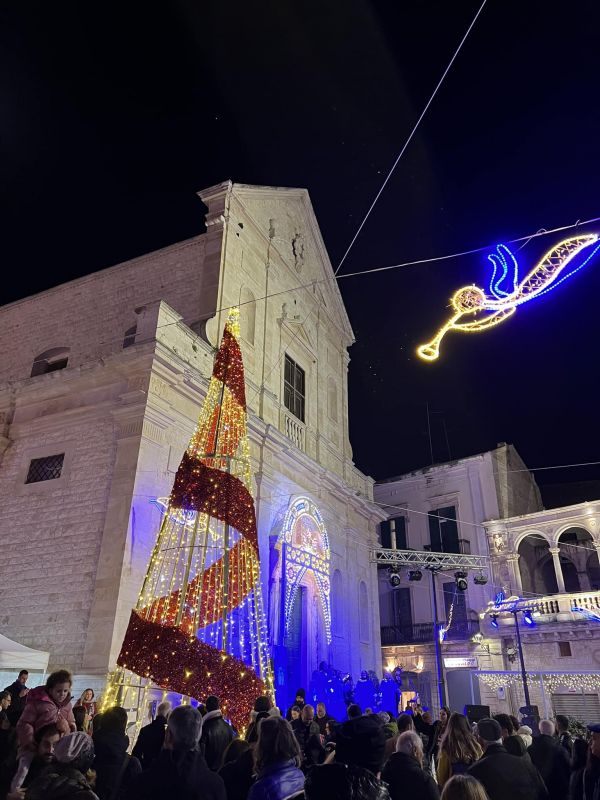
(199, 625)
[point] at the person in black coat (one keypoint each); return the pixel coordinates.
(151, 737)
(18, 692)
(404, 773)
(114, 768)
(562, 731)
(551, 760)
(504, 776)
(181, 772)
(238, 769)
(216, 734)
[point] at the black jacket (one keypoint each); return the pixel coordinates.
(17, 704)
(150, 741)
(565, 740)
(59, 782)
(406, 778)
(507, 777)
(431, 731)
(216, 735)
(552, 762)
(178, 775)
(115, 769)
(238, 776)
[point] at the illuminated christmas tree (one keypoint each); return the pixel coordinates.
(199, 625)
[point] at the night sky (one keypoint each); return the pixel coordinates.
(112, 116)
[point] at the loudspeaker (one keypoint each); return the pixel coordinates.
(475, 713)
(530, 711)
(530, 715)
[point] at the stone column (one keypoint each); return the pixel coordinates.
(515, 573)
(555, 553)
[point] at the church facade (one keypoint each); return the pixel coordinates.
(100, 385)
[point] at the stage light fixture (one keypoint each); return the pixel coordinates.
(494, 620)
(480, 580)
(528, 618)
(394, 578)
(414, 574)
(461, 581)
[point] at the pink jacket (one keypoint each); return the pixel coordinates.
(40, 709)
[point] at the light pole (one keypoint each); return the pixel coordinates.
(436, 638)
(515, 607)
(521, 659)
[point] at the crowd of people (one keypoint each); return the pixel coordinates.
(52, 748)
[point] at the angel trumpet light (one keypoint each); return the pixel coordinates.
(473, 310)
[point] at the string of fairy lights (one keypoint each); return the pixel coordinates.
(201, 598)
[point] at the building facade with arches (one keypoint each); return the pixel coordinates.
(100, 389)
(550, 559)
(444, 508)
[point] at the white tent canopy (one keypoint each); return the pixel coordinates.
(15, 657)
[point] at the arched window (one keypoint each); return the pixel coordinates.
(363, 612)
(129, 338)
(337, 605)
(50, 361)
(332, 400)
(247, 314)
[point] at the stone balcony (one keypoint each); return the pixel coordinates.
(563, 607)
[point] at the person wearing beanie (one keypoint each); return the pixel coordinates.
(361, 742)
(66, 776)
(300, 701)
(504, 776)
(526, 734)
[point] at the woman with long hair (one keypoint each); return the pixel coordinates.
(464, 787)
(91, 708)
(277, 759)
(458, 749)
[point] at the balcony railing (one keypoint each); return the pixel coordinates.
(463, 546)
(561, 607)
(422, 632)
(294, 429)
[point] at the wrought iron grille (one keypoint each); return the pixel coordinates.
(45, 469)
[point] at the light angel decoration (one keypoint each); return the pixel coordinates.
(473, 310)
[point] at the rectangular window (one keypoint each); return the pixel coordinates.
(443, 530)
(398, 524)
(294, 388)
(564, 649)
(45, 469)
(455, 600)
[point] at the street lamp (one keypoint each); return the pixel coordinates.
(513, 606)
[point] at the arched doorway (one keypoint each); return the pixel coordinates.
(300, 587)
(579, 560)
(536, 566)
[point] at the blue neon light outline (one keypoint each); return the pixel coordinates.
(568, 275)
(500, 258)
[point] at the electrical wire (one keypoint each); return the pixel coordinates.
(410, 136)
(334, 278)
